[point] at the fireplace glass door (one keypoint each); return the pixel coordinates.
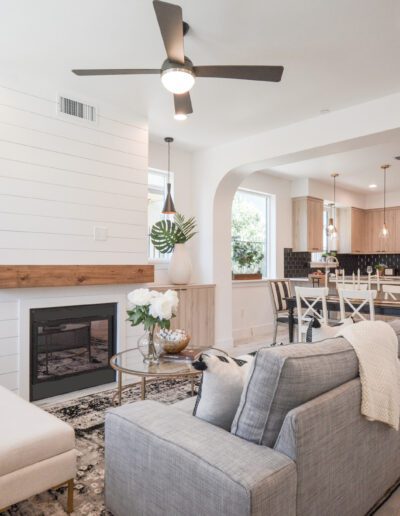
(71, 348)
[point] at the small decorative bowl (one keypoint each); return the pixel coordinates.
(174, 346)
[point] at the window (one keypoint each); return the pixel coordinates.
(250, 232)
(157, 191)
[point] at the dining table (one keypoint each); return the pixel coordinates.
(382, 307)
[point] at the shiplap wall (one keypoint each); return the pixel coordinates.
(60, 178)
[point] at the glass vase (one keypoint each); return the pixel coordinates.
(149, 347)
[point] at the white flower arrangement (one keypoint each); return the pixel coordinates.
(152, 308)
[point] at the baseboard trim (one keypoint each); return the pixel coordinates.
(253, 331)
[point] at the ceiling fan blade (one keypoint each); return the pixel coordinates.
(183, 104)
(251, 73)
(169, 19)
(117, 71)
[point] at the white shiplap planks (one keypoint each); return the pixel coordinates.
(60, 178)
(9, 349)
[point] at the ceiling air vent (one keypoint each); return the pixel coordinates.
(77, 109)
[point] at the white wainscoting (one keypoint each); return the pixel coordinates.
(60, 178)
(252, 314)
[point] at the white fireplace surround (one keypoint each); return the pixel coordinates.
(15, 306)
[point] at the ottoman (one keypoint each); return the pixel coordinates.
(37, 451)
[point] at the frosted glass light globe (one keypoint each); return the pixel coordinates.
(177, 80)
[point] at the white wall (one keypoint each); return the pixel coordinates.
(305, 186)
(251, 308)
(60, 178)
(182, 168)
(220, 170)
(376, 200)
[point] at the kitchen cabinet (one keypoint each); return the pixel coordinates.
(351, 230)
(307, 224)
(373, 226)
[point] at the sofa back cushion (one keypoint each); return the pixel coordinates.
(284, 378)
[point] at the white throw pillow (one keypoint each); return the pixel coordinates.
(221, 387)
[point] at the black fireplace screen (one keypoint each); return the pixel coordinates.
(71, 347)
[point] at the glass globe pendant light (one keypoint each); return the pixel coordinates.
(332, 231)
(384, 232)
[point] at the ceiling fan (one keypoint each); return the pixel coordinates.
(178, 74)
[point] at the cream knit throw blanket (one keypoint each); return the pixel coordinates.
(375, 344)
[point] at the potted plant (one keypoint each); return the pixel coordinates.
(381, 268)
(154, 310)
(247, 258)
(167, 237)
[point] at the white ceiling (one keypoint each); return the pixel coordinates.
(357, 168)
(336, 53)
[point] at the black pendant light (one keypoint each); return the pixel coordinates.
(169, 207)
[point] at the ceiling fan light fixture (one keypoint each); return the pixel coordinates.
(177, 80)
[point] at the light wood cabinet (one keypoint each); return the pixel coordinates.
(373, 226)
(351, 229)
(308, 215)
(196, 312)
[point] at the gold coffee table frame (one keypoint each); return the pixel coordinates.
(131, 362)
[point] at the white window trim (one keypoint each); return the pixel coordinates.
(166, 259)
(270, 237)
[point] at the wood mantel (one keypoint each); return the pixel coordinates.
(27, 276)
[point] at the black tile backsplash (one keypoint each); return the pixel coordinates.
(297, 265)
(351, 262)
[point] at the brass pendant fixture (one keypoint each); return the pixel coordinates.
(384, 232)
(169, 207)
(332, 231)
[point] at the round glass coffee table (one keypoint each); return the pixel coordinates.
(131, 362)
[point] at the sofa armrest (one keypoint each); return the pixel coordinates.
(160, 460)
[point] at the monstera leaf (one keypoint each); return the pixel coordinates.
(164, 235)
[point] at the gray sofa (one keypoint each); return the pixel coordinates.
(323, 457)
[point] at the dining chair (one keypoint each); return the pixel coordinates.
(307, 299)
(279, 290)
(364, 297)
(391, 291)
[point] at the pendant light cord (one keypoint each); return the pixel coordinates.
(334, 200)
(384, 196)
(169, 160)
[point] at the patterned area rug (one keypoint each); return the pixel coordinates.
(86, 415)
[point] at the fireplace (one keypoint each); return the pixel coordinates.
(70, 348)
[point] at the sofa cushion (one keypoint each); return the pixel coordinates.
(28, 434)
(186, 405)
(284, 378)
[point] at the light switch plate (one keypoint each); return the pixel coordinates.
(100, 233)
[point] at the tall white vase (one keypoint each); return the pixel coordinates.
(180, 266)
